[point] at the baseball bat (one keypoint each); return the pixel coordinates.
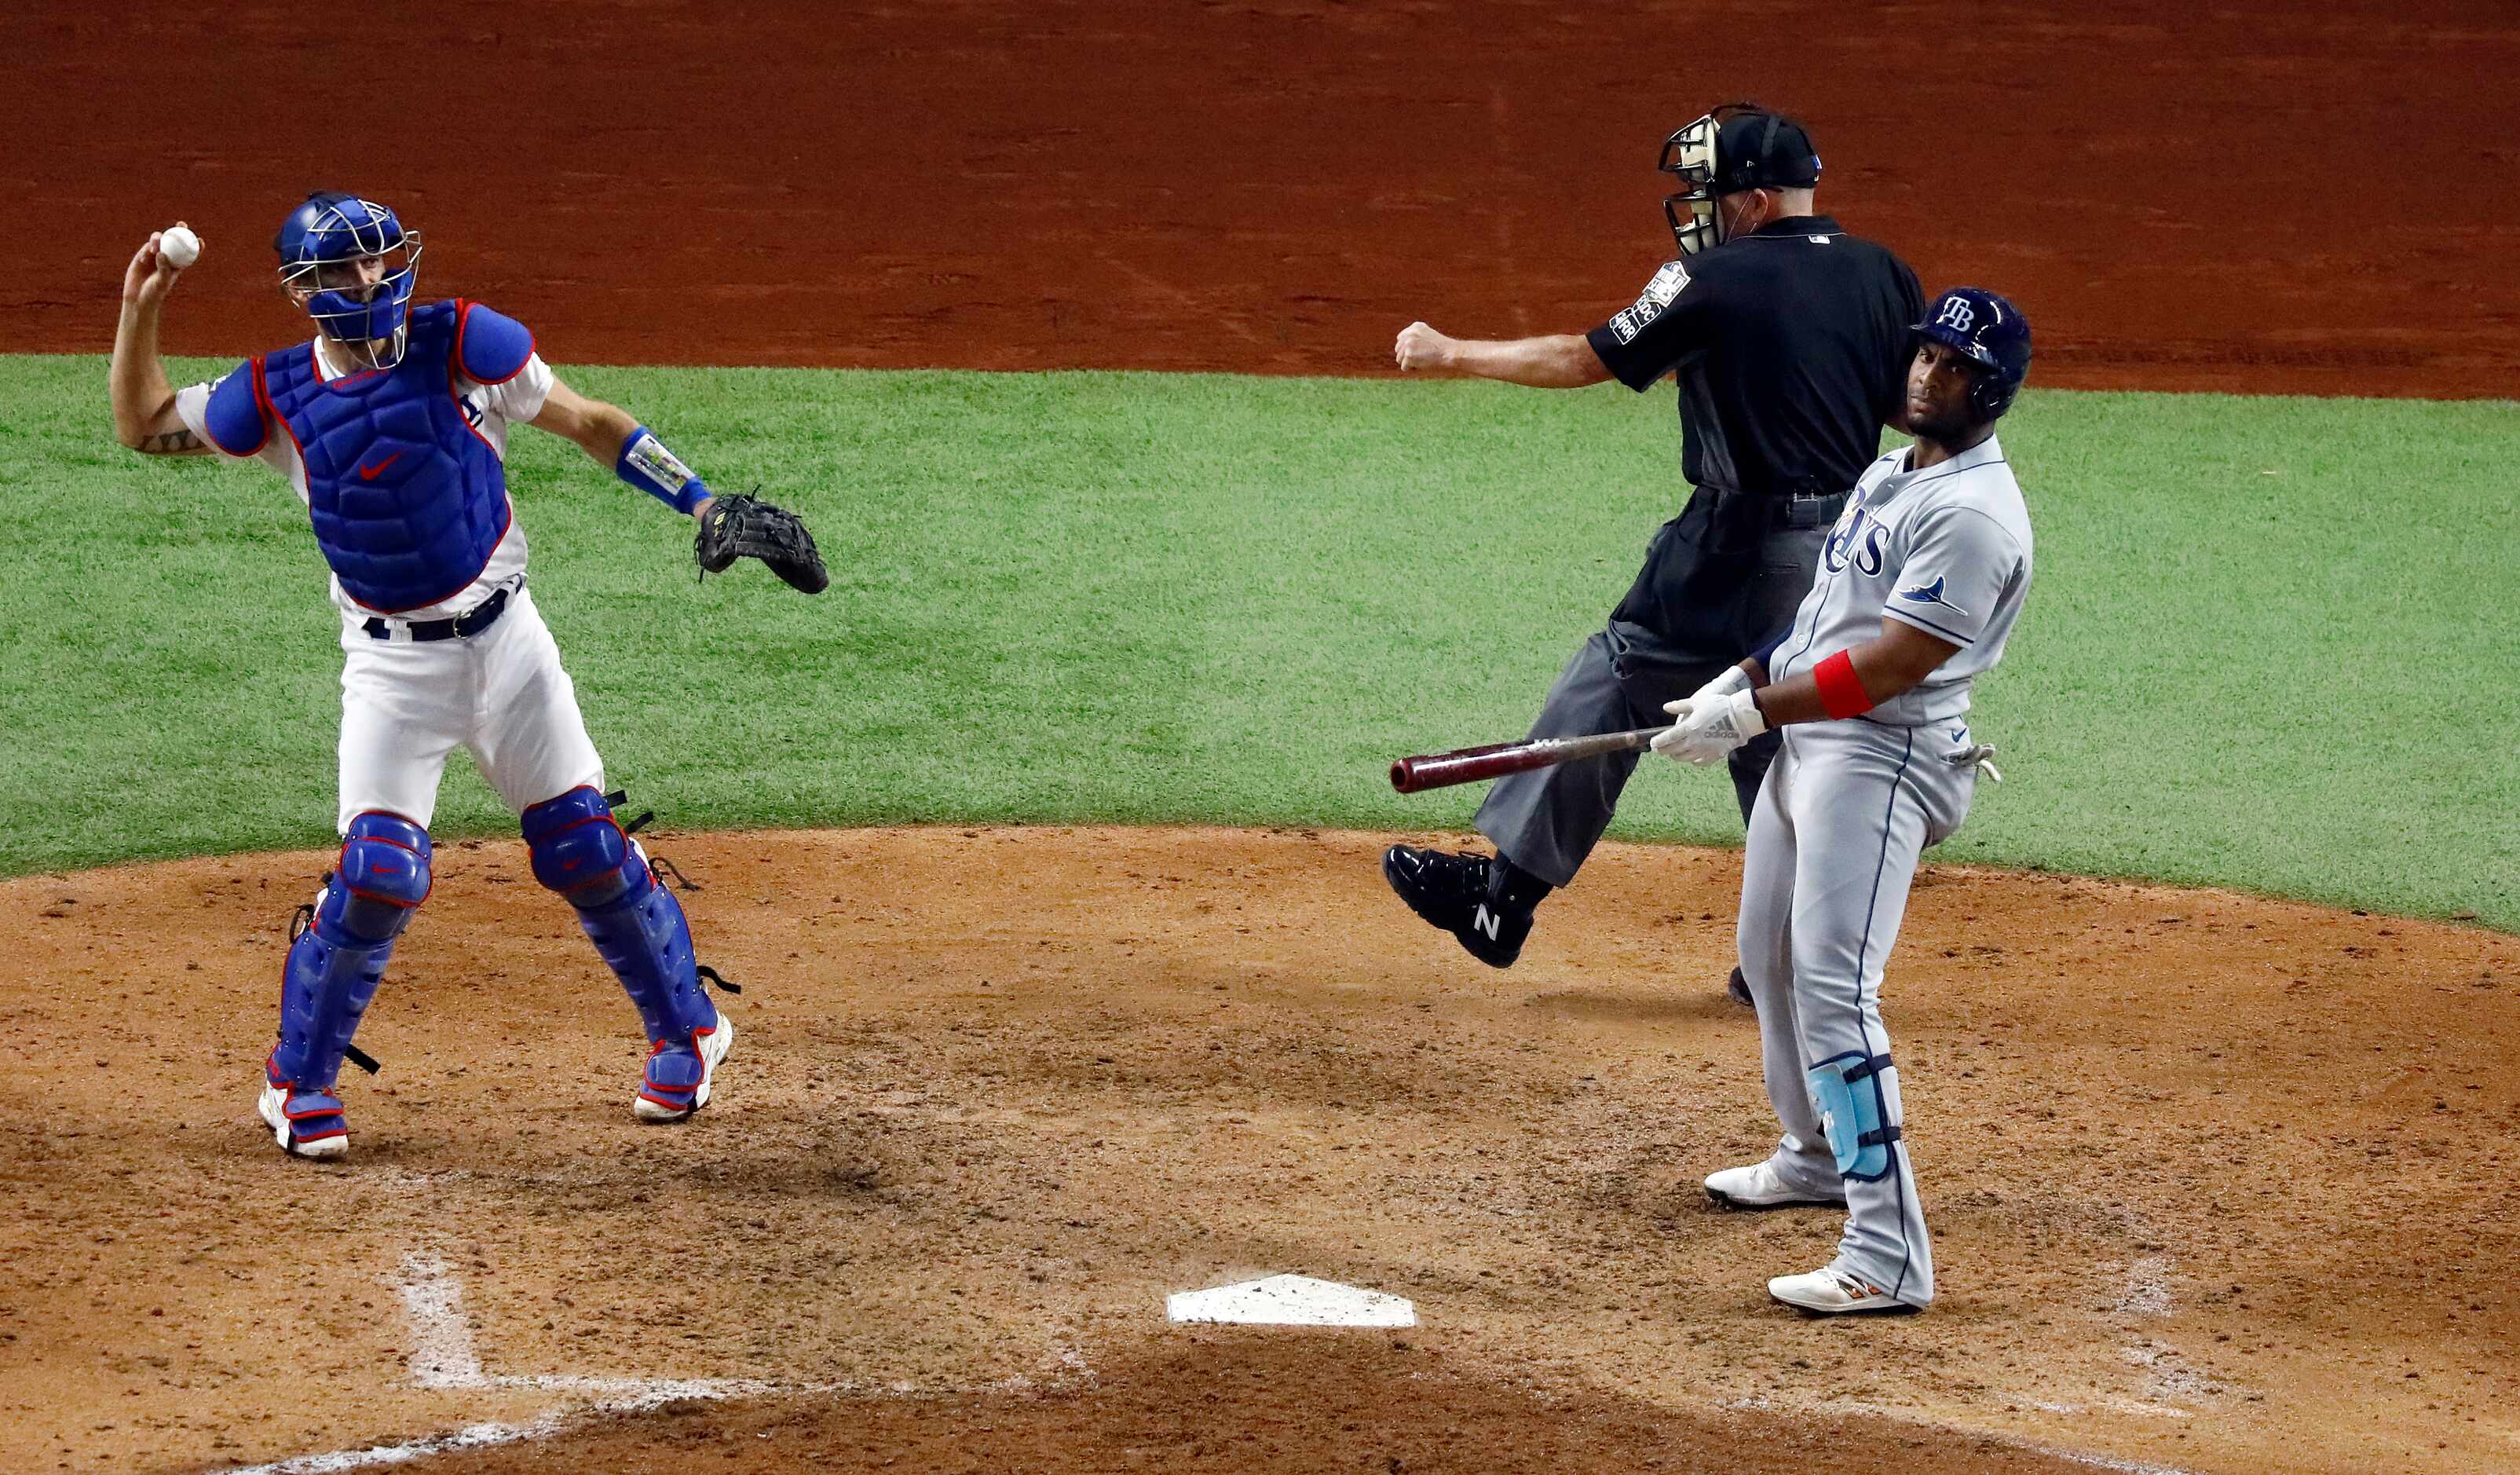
(1470, 765)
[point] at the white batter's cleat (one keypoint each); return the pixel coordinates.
(678, 1078)
(1835, 1294)
(1757, 1186)
(305, 1124)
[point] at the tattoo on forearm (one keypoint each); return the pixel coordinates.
(172, 443)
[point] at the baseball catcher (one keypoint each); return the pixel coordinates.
(391, 422)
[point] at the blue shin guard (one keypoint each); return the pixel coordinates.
(580, 852)
(332, 975)
(1854, 1112)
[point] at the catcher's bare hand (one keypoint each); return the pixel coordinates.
(145, 279)
(747, 527)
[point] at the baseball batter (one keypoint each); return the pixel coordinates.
(1920, 582)
(391, 423)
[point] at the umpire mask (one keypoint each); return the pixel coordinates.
(1739, 146)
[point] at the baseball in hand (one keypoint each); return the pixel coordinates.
(179, 245)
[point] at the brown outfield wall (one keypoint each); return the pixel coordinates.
(2265, 197)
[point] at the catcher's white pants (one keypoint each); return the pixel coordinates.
(405, 705)
(1845, 811)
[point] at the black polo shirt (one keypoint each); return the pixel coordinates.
(1790, 345)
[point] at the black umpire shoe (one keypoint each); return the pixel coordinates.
(1740, 988)
(1454, 892)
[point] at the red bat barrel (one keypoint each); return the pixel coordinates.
(1470, 765)
(1467, 765)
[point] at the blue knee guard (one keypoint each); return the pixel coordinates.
(580, 852)
(1855, 1111)
(335, 964)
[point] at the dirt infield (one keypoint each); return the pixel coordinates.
(2253, 196)
(2210, 1177)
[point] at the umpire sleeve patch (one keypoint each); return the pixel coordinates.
(234, 417)
(490, 347)
(1650, 304)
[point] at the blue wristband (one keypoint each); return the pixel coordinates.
(647, 465)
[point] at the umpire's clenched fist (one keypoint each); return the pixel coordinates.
(1422, 347)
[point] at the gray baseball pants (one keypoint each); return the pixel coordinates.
(1834, 840)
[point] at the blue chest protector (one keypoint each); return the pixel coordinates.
(407, 499)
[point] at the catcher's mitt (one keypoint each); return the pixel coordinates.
(747, 527)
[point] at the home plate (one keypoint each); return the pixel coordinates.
(1292, 1301)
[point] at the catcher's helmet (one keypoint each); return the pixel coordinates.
(1991, 332)
(1739, 146)
(330, 229)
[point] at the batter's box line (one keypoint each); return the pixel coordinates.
(443, 1359)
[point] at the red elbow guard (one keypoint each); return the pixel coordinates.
(1841, 693)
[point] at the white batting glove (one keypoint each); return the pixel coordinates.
(1730, 680)
(1707, 731)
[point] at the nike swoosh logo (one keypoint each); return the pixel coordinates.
(372, 472)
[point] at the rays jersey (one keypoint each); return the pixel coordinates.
(1946, 550)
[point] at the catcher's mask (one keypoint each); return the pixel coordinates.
(325, 246)
(1989, 332)
(1739, 146)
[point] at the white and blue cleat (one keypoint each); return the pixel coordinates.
(677, 1079)
(304, 1123)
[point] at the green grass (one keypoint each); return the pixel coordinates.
(2269, 646)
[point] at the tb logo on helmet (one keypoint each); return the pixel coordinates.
(1990, 332)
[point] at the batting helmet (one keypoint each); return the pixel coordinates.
(1739, 146)
(334, 229)
(1988, 331)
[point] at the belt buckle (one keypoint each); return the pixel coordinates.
(480, 616)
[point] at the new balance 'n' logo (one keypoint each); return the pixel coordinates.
(1487, 921)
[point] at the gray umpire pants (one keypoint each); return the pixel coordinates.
(1547, 820)
(1847, 809)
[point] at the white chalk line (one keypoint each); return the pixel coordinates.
(443, 1359)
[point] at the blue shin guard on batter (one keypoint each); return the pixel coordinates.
(335, 964)
(1855, 1111)
(582, 852)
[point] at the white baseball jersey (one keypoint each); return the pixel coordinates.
(407, 707)
(1946, 550)
(491, 407)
